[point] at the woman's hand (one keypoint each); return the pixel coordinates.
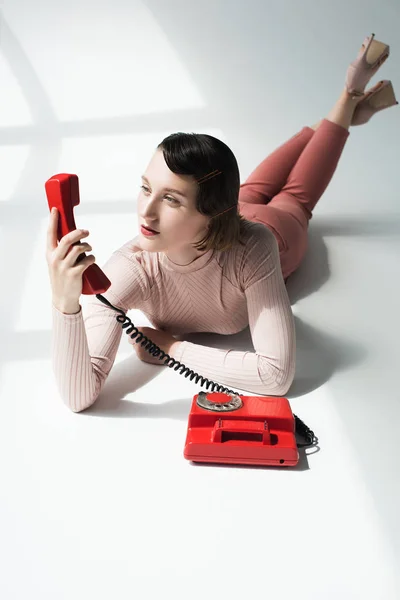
(66, 262)
(162, 339)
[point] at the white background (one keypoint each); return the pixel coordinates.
(103, 504)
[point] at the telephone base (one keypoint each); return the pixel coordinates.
(243, 430)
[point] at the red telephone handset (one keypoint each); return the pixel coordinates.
(62, 191)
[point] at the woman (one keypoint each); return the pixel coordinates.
(217, 257)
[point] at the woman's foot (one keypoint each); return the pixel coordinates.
(370, 58)
(343, 111)
(377, 98)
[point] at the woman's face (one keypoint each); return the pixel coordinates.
(172, 213)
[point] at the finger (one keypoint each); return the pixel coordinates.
(77, 254)
(83, 264)
(68, 241)
(52, 230)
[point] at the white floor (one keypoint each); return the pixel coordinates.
(103, 504)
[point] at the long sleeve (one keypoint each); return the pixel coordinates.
(84, 345)
(270, 369)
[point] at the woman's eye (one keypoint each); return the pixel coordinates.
(146, 189)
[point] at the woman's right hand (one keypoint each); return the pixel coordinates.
(66, 263)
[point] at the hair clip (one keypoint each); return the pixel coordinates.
(209, 176)
(224, 211)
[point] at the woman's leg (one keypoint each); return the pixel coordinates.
(271, 174)
(315, 167)
(289, 211)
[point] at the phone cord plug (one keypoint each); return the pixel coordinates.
(300, 427)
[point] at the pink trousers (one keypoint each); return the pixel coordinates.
(283, 190)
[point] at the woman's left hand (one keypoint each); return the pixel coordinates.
(162, 339)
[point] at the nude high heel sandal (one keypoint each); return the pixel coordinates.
(378, 98)
(370, 57)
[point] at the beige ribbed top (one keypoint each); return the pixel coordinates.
(220, 292)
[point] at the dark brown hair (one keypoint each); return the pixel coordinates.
(199, 154)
